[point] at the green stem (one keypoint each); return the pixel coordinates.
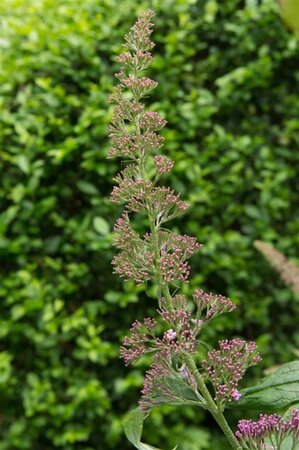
(211, 405)
(167, 296)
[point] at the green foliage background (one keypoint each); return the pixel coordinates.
(228, 75)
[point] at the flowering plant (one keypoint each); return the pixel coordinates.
(161, 256)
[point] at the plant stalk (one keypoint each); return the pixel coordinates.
(211, 405)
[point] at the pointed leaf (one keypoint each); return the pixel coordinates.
(23, 162)
(277, 391)
(101, 225)
(133, 425)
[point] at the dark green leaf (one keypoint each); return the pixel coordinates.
(182, 390)
(276, 392)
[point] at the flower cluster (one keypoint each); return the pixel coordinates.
(180, 336)
(135, 345)
(152, 121)
(165, 205)
(164, 373)
(125, 112)
(138, 38)
(135, 260)
(140, 194)
(177, 338)
(139, 86)
(174, 251)
(159, 384)
(210, 305)
(226, 367)
(136, 265)
(132, 192)
(136, 62)
(269, 432)
(124, 234)
(133, 145)
(163, 164)
(128, 110)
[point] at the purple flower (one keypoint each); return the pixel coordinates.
(225, 367)
(236, 395)
(273, 428)
(170, 335)
(211, 305)
(139, 340)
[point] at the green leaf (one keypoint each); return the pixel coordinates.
(177, 392)
(133, 425)
(101, 225)
(23, 163)
(87, 188)
(277, 391)
(286, 444)
(182, 390)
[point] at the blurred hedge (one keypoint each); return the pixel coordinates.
(228, 77)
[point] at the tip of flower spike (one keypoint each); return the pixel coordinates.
(148, 14)
(138, 38)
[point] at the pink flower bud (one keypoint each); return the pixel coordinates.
(170, 335)
(236, 395)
